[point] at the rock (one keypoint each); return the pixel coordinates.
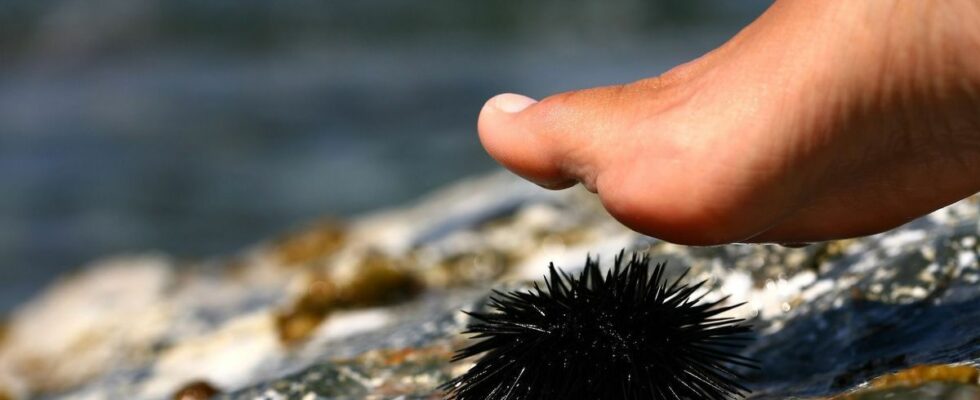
(369, 308)
(110, 315)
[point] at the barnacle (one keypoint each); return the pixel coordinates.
(628, 334)
(196, 390)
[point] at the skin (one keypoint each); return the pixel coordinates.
(822, 119)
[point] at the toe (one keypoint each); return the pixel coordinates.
(505, 134)
(555, 142)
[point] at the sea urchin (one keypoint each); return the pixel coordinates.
(626, 335)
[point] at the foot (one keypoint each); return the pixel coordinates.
(820, 120)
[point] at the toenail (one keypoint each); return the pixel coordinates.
(511, 103)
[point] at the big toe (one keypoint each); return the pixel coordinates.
(556, 142)
(508, 138)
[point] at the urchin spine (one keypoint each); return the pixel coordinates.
(625, 334)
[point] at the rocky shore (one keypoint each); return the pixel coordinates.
(370, 308)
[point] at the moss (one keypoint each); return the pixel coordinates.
(928, 391)
(316, 243)
(378, 280)
(298, 321)
(921, 374)
(913, 382)
(296, 325)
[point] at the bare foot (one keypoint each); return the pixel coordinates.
(820, 120)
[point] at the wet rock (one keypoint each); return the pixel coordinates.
(370, 308)
(377, 374)
(107, 316)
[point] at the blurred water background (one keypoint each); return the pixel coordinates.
(199, 127)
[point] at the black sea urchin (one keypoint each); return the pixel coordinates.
(626, 335)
